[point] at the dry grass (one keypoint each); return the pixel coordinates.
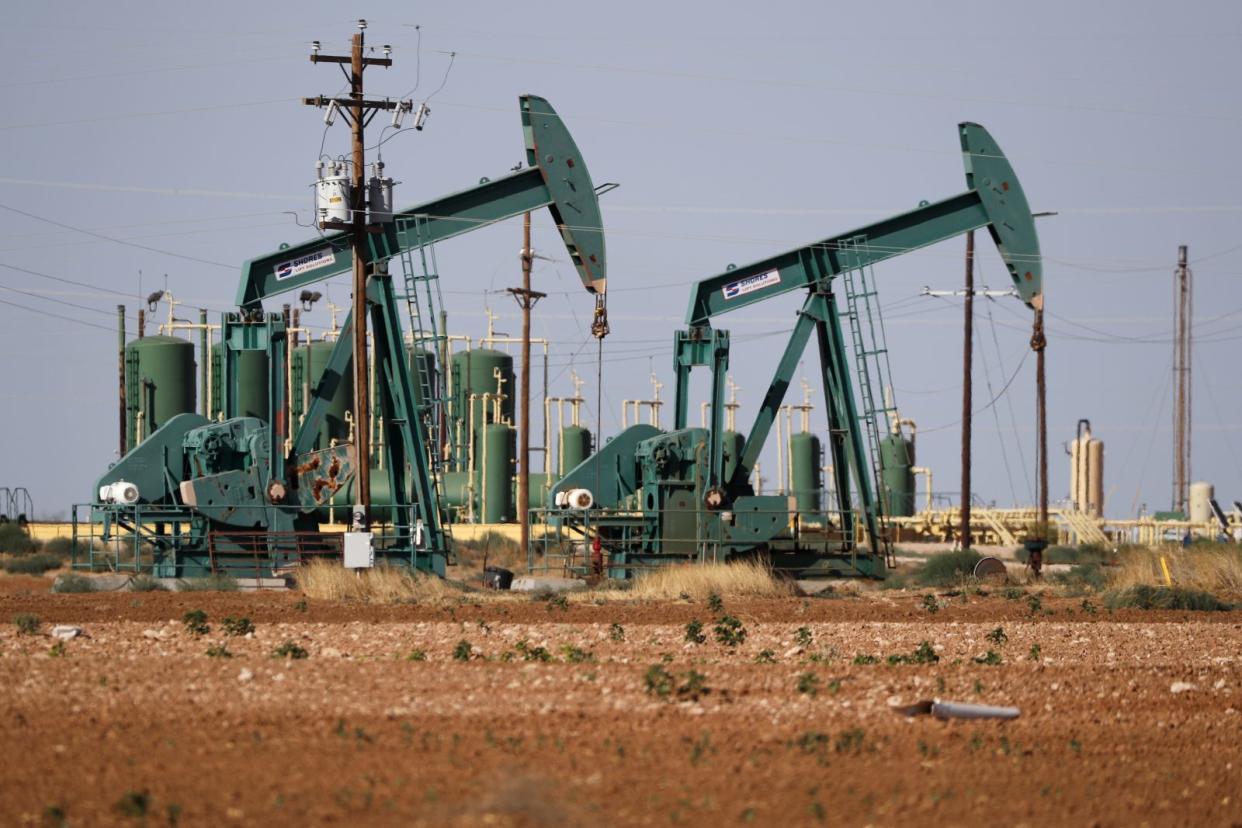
(744, 579)
(1214, 569)
(324, 581)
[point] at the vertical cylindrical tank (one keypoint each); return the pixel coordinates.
(475, 374)
(1087, 474)
(159, 378)
(897, 460)
(496, 472)
(1201, 495)
(575, 448)
(248, 385)
(733, 445)
(804, 452)
(309, 362)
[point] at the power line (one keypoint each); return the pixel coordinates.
(58, 316)
(116, 240)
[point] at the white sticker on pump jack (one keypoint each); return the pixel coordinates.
(324, 257)
(751, 283)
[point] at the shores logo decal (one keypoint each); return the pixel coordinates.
(750, 284)
(324, 257)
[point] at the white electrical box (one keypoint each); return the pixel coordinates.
(359, 551)
(333, 189)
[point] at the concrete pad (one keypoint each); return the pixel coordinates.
(546, 583)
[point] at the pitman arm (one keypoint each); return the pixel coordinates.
(995, 200)
(557, 179)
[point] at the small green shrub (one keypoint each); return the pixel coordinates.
(530, 653)
(923, 654)
(133, 804)
(765, 657)
(616, 633)
(65, 548)
(947, 568)
(658, 681)
(220, 582)
(729, 631)
(864, 658)
(991, 658)
(34, 564)
(416, 655)
(808, 684)
(1146, 597)
(997, 636)
(694, 632)
(218, 651)
(145, 583)
(73, 583)
(195, 622)
(26, 623)
(237, 626)
(462, 651)
(931, 604)
(803, 637)
(575, 655)
(290, 650)
(714, 602)
(15, 541)
(1085, 577)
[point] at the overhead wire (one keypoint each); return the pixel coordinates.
(116, 240)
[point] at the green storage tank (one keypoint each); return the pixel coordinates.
(249, 387)
(897, 458)
(575, 448)
(160, 383)
(457, 492)
(804, 456)
(309, 362)
(733, 445)
(473, 374)
(496, 469)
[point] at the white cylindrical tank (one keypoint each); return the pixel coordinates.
(379, 195)
(332, 191)
(1087, 474)
(1201, 494)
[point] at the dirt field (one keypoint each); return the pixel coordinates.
(1127, 719)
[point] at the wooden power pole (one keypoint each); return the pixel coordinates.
(1182, 361)
(967, 349)
(526, 299)
(357, 110)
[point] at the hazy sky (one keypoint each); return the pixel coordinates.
(734, 135)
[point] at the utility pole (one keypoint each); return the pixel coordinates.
(526, 299)
(120, 366)
(357, 111)
(1183, 340)
(967, 347)
(1039, 343)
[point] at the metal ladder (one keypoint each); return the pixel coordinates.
(871, 364)
(424, 333)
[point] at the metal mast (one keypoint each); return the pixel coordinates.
(526, 299)
(1183, 341)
